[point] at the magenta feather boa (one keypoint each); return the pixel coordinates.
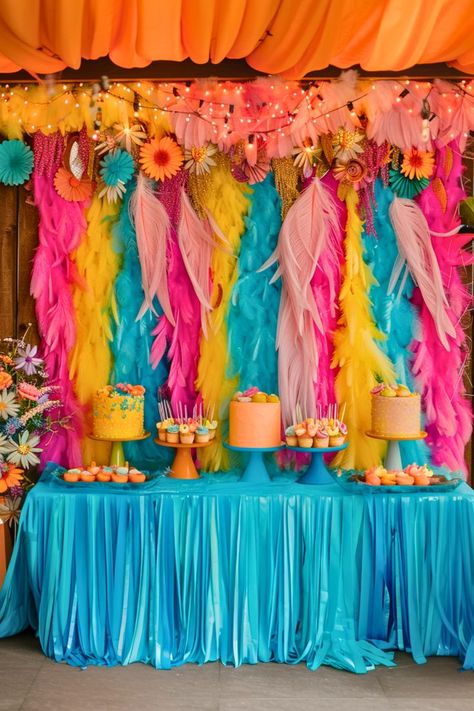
(438, 371)
(183, 338)
(61, 226)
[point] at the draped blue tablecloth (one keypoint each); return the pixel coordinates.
(171, 572)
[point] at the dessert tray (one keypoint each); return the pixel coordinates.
(354, 482)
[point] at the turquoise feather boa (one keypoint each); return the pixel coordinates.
(132, 342)
(394, 314)
(253, 312)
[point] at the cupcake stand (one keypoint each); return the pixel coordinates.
(255, 472)
(317, 472)
(183, 466)
(393, 459)
(117, 456)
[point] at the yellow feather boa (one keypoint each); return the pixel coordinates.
(90, 361)
(356, 352)
(227, 202)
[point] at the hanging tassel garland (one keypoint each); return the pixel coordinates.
(356, 351)
(61, 228)
(227, 202)
(91, 362)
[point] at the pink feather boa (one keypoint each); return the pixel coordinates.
(61, 227)
(183, 338)
(438, 371)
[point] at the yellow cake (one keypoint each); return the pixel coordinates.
(396, 412)
(255, 423)
(118, 412)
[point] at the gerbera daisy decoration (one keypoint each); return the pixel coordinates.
(24, 452)
(9, 406)
(10, 476)
(199, 159)
(306, 157)
(71, 188)
(161, 158)
(417, 164)
(116, 170)
(347, 144)
(16, 162)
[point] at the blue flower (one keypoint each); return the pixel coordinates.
(117, 166)
(16, 162)
(12, 426)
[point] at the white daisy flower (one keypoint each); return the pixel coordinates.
(8, 405)
(4, 446)
(23, 452)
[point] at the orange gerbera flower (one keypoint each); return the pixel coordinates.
(10, 476)
(417, 164)
(6, 359)
(71, 188)
(161, 158)
(5, 380)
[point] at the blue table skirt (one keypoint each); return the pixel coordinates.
(173, 572)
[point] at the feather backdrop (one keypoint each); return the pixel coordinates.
(310, 230)
(253, 311)
(152, 227)
(357, 352)
(183, 338)
(132, 340)
(394, 315)
(439, 372)
(418, 257)
(227, 202)
(97, 264)
(61, 228)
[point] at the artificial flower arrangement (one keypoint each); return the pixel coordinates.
(25, 401)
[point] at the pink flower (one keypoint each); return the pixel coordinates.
(28, 392)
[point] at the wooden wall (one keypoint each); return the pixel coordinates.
(18, 241)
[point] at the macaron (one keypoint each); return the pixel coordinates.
(119, 478)
(71, 476)
(103, 476)
(87, 476)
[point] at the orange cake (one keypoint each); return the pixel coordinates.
(255, 420)
(118, 411)
(396, 412)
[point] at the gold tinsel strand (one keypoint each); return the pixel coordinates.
(286, 182)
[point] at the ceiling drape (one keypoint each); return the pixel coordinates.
(290, 37)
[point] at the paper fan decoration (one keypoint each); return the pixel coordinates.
(70, 188)
(16, 162)
(404, 187)
(116, 170)
(161, 158)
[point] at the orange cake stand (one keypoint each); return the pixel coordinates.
(183, 466)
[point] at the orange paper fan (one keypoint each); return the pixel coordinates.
(70, 188)
(161, 158)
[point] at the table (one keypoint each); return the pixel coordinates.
(173, 571)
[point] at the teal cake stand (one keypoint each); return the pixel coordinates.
(255, 472)
(317, 472)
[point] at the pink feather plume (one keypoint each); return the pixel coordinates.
(438, 371)
(418, 255)
(152, 227)
(309, 229)
(182, 341)
(61, 227)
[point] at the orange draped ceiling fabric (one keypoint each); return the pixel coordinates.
(289, 37)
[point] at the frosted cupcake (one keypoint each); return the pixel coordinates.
(185, 435)
(161, 427)
(322, 438)
(202, 435)
(290, 435)
(337, 434)
(172, 434)
(304, 440)
(212, 426)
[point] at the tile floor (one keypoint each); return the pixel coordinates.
(30, 681)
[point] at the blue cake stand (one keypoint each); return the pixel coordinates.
(255, 472)
(317, 472)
